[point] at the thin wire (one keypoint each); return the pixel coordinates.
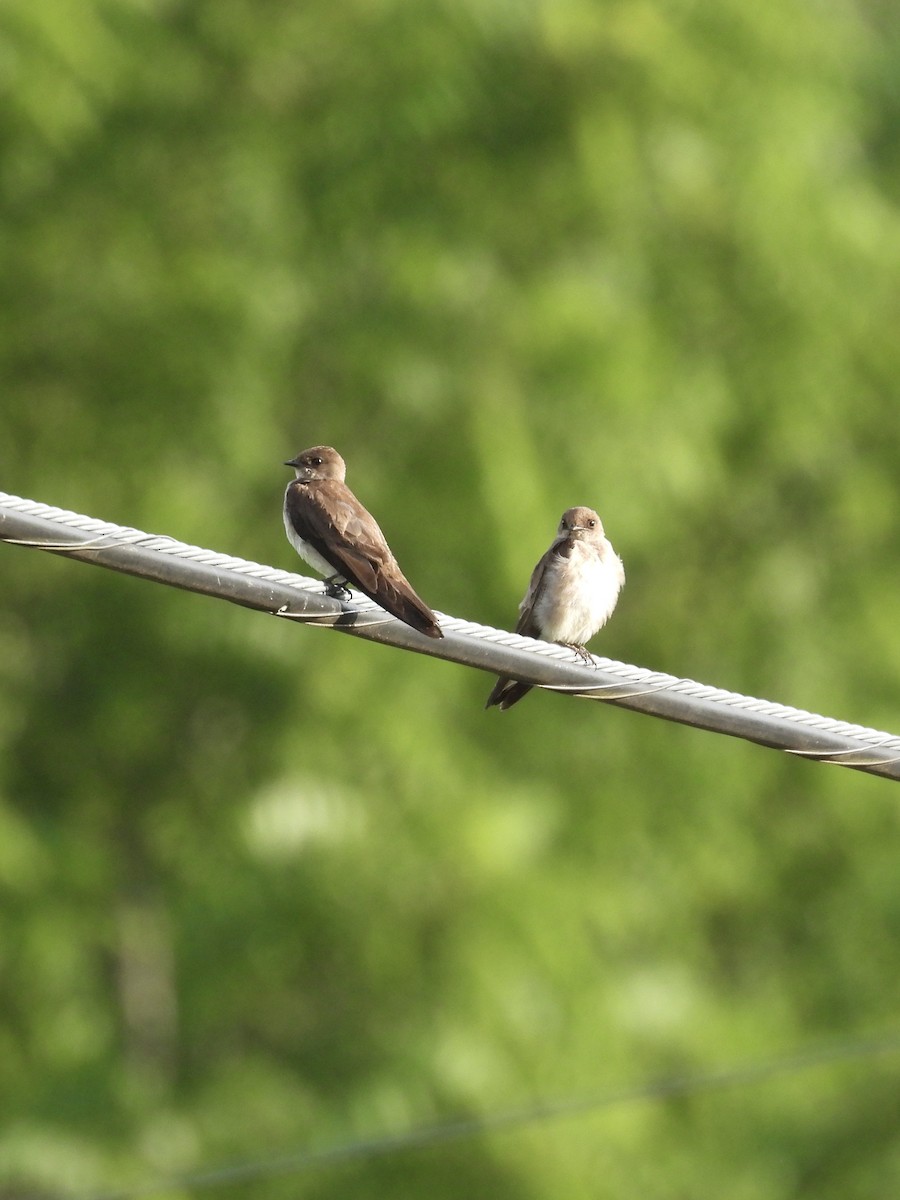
(737, 1076)
(543, 664)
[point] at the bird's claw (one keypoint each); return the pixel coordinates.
(335, 586)
(582, 651)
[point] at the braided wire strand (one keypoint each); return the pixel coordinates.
(547, 665)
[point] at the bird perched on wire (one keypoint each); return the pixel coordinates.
(330, 529)
(572, 594)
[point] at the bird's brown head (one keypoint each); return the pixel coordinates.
(319, 462)
(580, 523)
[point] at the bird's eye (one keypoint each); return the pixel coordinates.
(591, 523)
(316, 462)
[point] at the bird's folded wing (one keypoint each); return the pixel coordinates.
(526, 623)
(346, 536)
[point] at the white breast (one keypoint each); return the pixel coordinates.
(579, 596)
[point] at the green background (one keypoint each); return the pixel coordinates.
(265, 888)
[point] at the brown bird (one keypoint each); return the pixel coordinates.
(572, 594)
(330, 529)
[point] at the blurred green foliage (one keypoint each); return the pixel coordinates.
(263, 888)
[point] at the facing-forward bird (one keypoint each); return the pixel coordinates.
(572, 594)
(330, 529)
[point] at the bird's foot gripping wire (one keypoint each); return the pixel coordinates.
(337, 587)
(582, 651)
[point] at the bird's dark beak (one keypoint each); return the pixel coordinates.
(291, 462)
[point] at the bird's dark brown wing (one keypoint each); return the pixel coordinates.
(328, 516)
(507, 692)
(526, 623)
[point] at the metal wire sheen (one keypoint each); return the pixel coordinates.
(285, 594)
